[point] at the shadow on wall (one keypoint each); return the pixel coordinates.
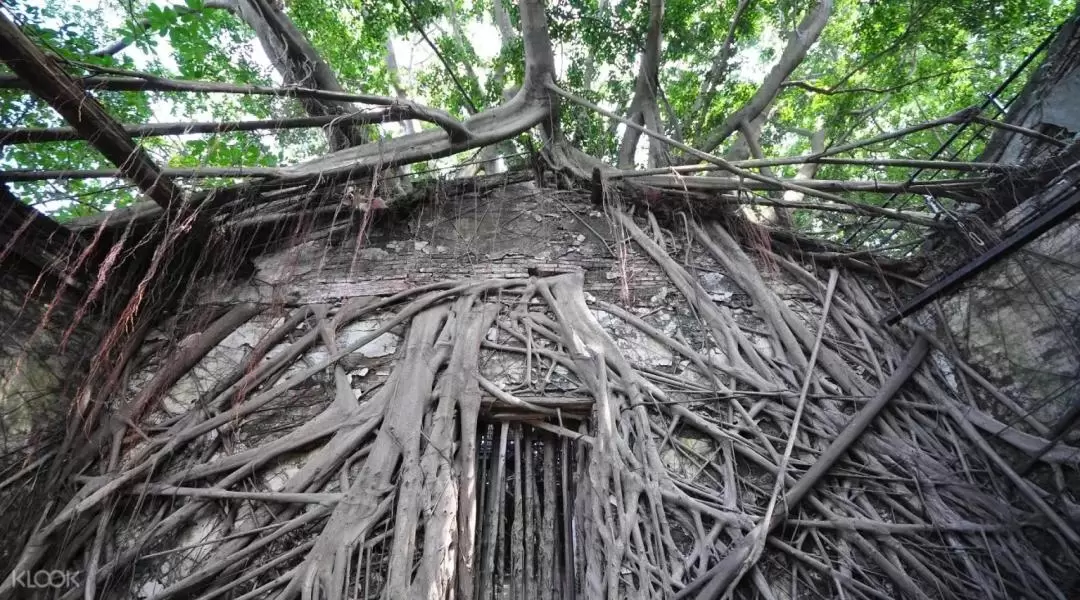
(1020, 322)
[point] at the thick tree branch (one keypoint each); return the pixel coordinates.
(488, 158)
(299, 64)
(799, 43)
(390, 114)
(502, 21)
(85, 114)
(531, 106)
(719, 68)
(507, 36)
(571, 155)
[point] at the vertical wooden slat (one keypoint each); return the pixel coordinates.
(548, 534)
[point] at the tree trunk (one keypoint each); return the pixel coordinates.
(643, 108)
(392, 70)
(799, 43)
(300, 65)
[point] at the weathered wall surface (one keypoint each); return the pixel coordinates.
(38, 382)
(515, 232)
(41, 361)
(1048, 103)
(1019, 322)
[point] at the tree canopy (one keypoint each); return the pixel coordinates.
(794, 77)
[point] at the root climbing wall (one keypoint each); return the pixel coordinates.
(537, 426)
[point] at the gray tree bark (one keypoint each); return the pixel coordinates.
(799, 43)
(643, 108)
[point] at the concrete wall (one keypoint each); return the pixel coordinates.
(1019, 322)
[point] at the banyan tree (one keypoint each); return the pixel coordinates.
(605, 314)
